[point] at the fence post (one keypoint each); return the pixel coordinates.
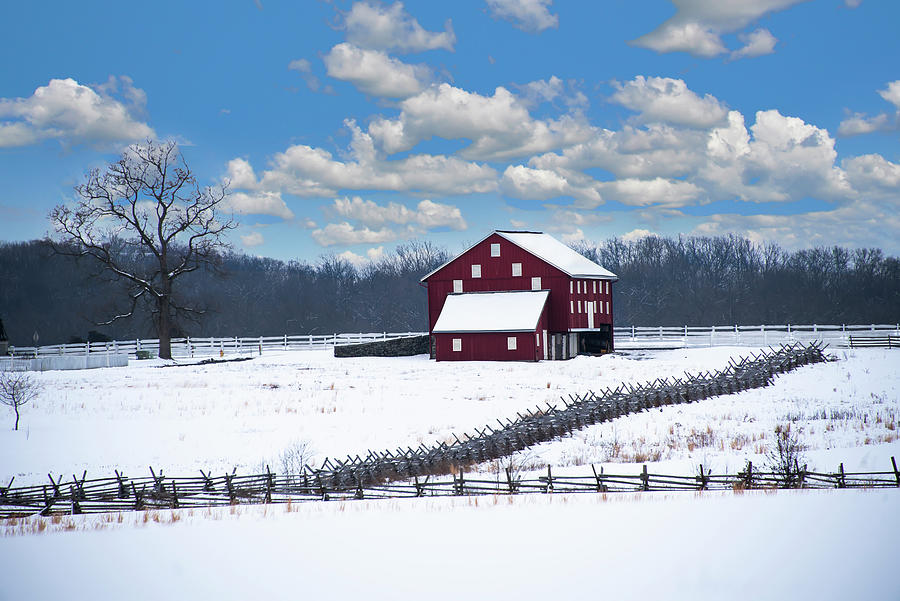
(762, 329)
(645, 479)
(632, 332)
(896, 473)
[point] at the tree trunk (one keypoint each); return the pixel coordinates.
(16, 408)
(164, 328)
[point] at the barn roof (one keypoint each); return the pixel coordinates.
(551, 250)
(518, 311)
(548, 249)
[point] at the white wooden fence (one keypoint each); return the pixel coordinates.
(761, 335)
(625, 337)
(207, 347)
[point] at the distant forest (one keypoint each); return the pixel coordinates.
(696, 281)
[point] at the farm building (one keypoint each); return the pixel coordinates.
(482, 304)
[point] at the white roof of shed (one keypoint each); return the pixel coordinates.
(517, 311)
(556, 253)
(548, 249)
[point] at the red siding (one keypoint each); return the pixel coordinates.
(487, 347)
(496, 275)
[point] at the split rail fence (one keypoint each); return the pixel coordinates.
(381, 473)
(682, 336)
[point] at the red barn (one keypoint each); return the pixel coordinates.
(576, 315)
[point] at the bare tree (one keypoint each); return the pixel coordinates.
(17, 388)
(145, 220)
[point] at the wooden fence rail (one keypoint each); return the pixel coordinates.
(378, 469)
(120, 493)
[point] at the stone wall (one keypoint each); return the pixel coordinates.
(398, 347)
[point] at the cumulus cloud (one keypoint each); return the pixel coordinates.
(697, 26)
(427, 214)
(549, 90)
(499, 126)
(374, 72)
(666, 100)
(312, 172)
(75, 114)
(859, 123)
(636, 234)
(252, 239)
(758, 43)
(372, 255)
(377, 27)
(258, 203)
(532, 16)
(348, 235)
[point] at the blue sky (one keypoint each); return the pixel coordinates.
(349, 127)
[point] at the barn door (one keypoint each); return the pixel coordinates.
(545, 345)
(590, 312)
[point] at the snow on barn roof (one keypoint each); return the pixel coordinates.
(551, 250)
(548, 249)
(517, 311)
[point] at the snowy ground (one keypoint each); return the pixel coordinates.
(788, 545)
(819, 545)
(245, 414)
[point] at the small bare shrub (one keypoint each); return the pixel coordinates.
(785, 456)
(17, 388)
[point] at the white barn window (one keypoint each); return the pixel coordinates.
(579, 286)
(510, 343)
(457, 286)
(607, 287)
(517, 270)
(476, 271)
(571, 306)
(457, 344)
(607, 307)
(579, 306)
(571, 287)
(535, 283)
(595, 286)
(495, 250)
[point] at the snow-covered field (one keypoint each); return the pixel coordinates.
(789, 544)
(246, 414)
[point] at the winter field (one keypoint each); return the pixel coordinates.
(282, 407)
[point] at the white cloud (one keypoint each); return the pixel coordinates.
(372, 255)
(532, 16)
(697, 25)
(348, 235)
(252, 239)
(529, 183)
(304, 68)
(74, 114)
(499, 126)
(427, 214)
(852, 3)
(572, 237)
(313, 172)
(258, 203)
(539, 91)
(872, 173)
(666, 100)
(758, 43)
(378, 27)
(241, 175)
(859, 123)
(892, 93)
(636, 234)
(376, 73)
(657, 191)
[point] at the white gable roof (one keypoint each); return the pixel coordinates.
(559, 255)
(492, 312)
(549, 249)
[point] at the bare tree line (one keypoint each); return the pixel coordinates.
(663, 281)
